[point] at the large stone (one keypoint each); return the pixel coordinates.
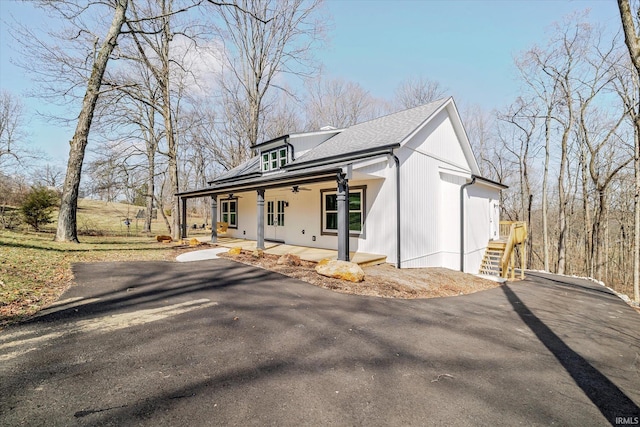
(290, 260)
(163, 239)
(235, 251)
(258, 253)
(340, 270)
(194, 242)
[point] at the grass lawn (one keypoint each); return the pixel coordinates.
(35, 270)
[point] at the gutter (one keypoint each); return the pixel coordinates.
(462, 188)
(288, 144)
(398, 229)
(357, 155)
(260, 144)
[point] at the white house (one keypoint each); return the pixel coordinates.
(405, 185)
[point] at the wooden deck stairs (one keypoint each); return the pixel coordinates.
(499, 257)
(491, 263)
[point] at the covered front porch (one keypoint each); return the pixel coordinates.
(313, 214)
(304, 252)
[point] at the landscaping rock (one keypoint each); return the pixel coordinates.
(290, 260)
(340, 270)
(258, 253)
(164, 239)
(235, 251)
(194, 242)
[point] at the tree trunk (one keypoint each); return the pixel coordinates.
(562, 196)
(598, 235)
(588, 265)
(636, 209)
(67, 224)
(151, 175)
(545, 200)
(172, 149)
(632, 41)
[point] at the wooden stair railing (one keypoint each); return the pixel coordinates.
(499, 257)
(517, 236)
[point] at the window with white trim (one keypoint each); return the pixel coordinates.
(229, 212)
(274, 159)
(356, 211)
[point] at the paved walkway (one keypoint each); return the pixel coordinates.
(221, 343)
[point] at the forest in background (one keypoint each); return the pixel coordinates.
(190, 86)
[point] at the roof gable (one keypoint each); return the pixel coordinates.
(389, 131)
(382, 132)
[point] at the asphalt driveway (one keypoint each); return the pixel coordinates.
(221, 343)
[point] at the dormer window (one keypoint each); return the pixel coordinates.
(274, 159)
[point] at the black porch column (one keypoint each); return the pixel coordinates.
(260, 214)
(214, 215)
(343, 217)
(183, 225)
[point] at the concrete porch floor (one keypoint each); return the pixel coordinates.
(305, 253)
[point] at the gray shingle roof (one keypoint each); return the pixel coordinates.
(376, 133)
(249, 167)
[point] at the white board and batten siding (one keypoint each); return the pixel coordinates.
(480, 203)
(430, 200)
(433, 167)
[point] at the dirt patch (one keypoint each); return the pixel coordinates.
(380, 280)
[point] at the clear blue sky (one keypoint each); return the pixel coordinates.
(468, 46)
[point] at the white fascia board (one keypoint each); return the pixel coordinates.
(455, 172)
(424, 123)
(458, 126)
(489, 184)
(369, 162)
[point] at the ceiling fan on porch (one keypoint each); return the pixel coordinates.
(297, 188)
(231, 196)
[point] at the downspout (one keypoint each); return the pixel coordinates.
(288, 144)
(398, 231)
(462, 187)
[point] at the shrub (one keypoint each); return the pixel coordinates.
(38, 206)
(9, 217)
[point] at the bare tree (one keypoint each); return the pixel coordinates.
(603, 156)
(546, 93)
(49, 176)
(152, 39)
(521, 121)
(134, 122)
(632, 40)
(282, 116)
(12, 132)
(338, 103)
(265, 40)
(480, 126)
(414, 91)
(67, 226)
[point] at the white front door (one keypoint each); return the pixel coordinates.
(274, 221)
(494, 216)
